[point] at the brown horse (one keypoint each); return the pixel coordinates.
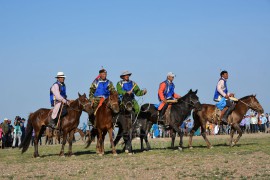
(104, 123)
(208, 114)
(40, 119)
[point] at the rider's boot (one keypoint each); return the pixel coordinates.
(52, 123)
(227, 113)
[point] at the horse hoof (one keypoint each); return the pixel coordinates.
(115, 154)
(130, 154)
(191, 147)
(180, 149)
(126, 151)
(100, 154)
(211, 147)
(62, 156)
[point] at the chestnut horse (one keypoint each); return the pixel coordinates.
(208, 114)
(104, 123)
(38, 121)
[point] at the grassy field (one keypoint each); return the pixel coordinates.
(250, 159)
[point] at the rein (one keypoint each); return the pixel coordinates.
(249, 105)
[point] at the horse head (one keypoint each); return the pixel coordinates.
(253, 103)
(113, 102)
(127, 102)
(85, 104)
(194, 100)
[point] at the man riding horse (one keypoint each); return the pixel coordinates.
(166, 92)
(100, 90)
(222, 94)
(130, 87)
(58, 98)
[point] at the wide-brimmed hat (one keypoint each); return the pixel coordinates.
(60, 75)
(171, 74)
(125, 73)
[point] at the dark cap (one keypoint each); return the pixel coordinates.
(102, 71)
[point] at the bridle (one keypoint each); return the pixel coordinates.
(83, 105)
(110, 105)
(251, 105)
(193, 103)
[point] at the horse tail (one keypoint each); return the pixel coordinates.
(29, 129)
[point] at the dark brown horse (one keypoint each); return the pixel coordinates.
(40, 119)
(104, 123)
(208, 114)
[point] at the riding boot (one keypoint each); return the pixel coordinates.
(226, 115)
(162, 112)
(52, 123)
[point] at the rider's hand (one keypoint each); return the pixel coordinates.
(165, 100)
(68, 103)
(129, 92)
(227, 97)
(144, 91)
(231, 95)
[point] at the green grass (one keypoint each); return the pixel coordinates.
(221, 162)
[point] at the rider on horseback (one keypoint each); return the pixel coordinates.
(58, 98)
(100, 90)
(166, 92)
(128, 86)
(222, 92)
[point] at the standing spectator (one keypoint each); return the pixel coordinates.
(267, 122)
(33, 137)
(263, 122)
(1, 134)
(84, 128)
(22, 128)
(253, 123)
(247, 117)
(155, 131)
(5, 128)
(243, 124)
(189, 126)
(17, 133)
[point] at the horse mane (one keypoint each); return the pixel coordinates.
(246, 97)
(183, 98)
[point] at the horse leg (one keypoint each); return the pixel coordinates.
(203, 128)
(181, 138)
(71, 135)
(148, 147)
(118, 137)
(36, 146)
(176, 129)
(194, 129)
(231, 135)
(238, 129)
(111, 140)
(63, 143)
(173, 135)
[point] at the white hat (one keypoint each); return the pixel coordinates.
(5, 119)
(171, 74)
(125, 73)
(262, 114)
(60, 75)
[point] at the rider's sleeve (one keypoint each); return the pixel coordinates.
(92, 91)
(120, 90)
(220, 85)
(138, 91)
(176, 96)
(111, 87)
(161, 90)
(56, 93)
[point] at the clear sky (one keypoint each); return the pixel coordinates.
(194, 39)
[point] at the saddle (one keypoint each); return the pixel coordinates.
(166, 119)
(217, 115)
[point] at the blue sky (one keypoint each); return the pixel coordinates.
(193, 39)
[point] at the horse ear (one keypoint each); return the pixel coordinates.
(84, 94)
(196, 91)
(190, 91)
(79, 94)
